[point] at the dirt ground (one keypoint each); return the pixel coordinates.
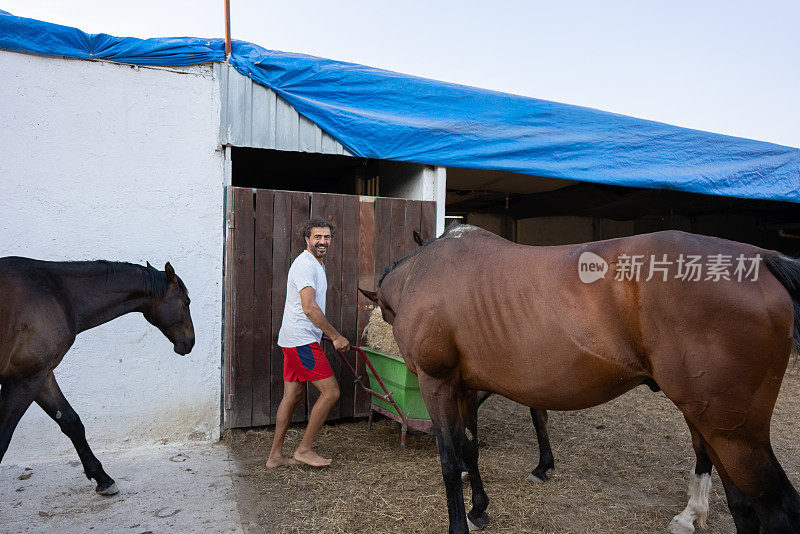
(620, 467)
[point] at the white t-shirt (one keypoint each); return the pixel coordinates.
(296, 328)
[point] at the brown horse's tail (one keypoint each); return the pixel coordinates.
(787, 271)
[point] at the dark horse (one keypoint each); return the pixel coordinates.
(546, 460)
(45, 305)
(473, 312)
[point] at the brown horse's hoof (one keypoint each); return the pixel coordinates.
(479, 523)
(107, 491)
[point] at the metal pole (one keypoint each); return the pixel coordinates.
(227, 28)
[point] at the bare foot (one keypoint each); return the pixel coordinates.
(278, 461)
(312, 458)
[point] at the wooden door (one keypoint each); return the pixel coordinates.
(262, 240)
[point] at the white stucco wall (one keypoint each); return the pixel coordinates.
(416, 182)
(106, 161)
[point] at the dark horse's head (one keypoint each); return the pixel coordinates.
(168, 310)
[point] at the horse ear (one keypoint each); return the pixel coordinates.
(148, 265)
(170, 273)
(417, 238)
(371, 295)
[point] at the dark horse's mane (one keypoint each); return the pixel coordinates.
(389, 268)
(153, 281)
(156, 283)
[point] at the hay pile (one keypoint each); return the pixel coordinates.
(378, 334)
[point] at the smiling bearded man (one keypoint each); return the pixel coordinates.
(301, 331)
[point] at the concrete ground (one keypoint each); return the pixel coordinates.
(169, 488)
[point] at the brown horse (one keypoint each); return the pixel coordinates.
(538, 417)
(45, 305)
(699, 477)
(471, 311)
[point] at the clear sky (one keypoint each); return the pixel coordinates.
(725, 66)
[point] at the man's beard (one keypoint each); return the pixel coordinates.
(319, 252)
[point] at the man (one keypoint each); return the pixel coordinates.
(299, 337)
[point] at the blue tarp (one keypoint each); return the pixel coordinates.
(386, 115)
(34, 36)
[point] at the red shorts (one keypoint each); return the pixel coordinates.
(305, 363)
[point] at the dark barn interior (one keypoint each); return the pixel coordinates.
(320, 173)
(543, 211)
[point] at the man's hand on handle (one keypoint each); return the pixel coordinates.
(340, 343)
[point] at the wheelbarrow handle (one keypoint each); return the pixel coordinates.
(388, 394)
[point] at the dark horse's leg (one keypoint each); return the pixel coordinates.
(56, 406)
(482, 397)
(546, 463)
(539, 418)
(15, 397)
(468, 413)
(441, 399)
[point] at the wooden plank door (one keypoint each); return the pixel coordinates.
(239, 322)
(262, 306)
(262, 240)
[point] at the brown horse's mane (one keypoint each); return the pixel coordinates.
(391, 266)
(453, 228)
